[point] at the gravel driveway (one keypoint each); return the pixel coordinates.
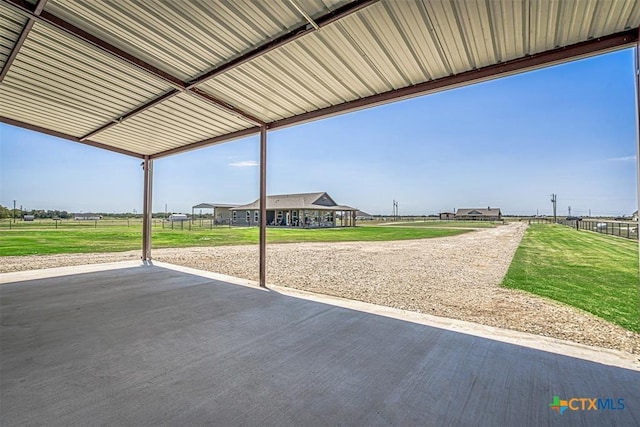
(456, 277)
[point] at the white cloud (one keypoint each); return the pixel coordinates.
(623, 159)
(244, 164)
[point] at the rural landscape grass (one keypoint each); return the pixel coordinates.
(590, 271)
(121, 238)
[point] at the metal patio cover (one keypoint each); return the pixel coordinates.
(152, 78)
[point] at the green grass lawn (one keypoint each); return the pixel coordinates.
(113, 239)
(590, 271)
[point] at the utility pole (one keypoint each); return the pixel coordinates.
(569, 210)
(554, 200)
(589, 212)
(14, 211)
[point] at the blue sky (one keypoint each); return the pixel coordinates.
(506, 143)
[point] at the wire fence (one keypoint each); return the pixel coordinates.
(71, 224)
(626, 229)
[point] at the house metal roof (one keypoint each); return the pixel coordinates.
(213, 206)
(154, 78)
(297, 201)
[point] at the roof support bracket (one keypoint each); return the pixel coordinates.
(304, 14)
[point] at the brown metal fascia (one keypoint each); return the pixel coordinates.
(280, 41)
(68, 137)
(21, 39)
(132, 113)
(226, 106)
(207, 142)
(576, 51)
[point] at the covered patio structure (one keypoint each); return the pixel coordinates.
(221, 213)
(150, 344)
(154, 79)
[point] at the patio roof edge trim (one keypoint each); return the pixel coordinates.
(68, 137)
(207, 142)
(528, 63)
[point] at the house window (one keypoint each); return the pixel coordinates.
(256, 215)
(234, 216)
(249, 216)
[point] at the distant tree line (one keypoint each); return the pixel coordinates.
(6, 212)
(37, 213)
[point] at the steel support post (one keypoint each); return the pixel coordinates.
(263, 206)
(146, 209)
(637, 81)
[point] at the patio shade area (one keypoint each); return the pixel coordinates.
(151, 79)
(152, 345)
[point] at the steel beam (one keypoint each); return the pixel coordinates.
(132, 113)
(528, 63)
(68, 137)
(207, 142)
(226, 106)
(284, 39)
(147, 165)
(21, 39)
(263, 207)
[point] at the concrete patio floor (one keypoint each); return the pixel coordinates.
(131, 344)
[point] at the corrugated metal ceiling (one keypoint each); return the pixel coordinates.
(11, 25)
(113, 71)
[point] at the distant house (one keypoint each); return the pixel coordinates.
(634, 216)
(296, 210)
(479, 214)
(447, 216)
(363, 216)
(221, 211)
(86, 217)
(28, 218)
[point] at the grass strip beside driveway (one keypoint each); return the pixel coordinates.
(590, 271)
